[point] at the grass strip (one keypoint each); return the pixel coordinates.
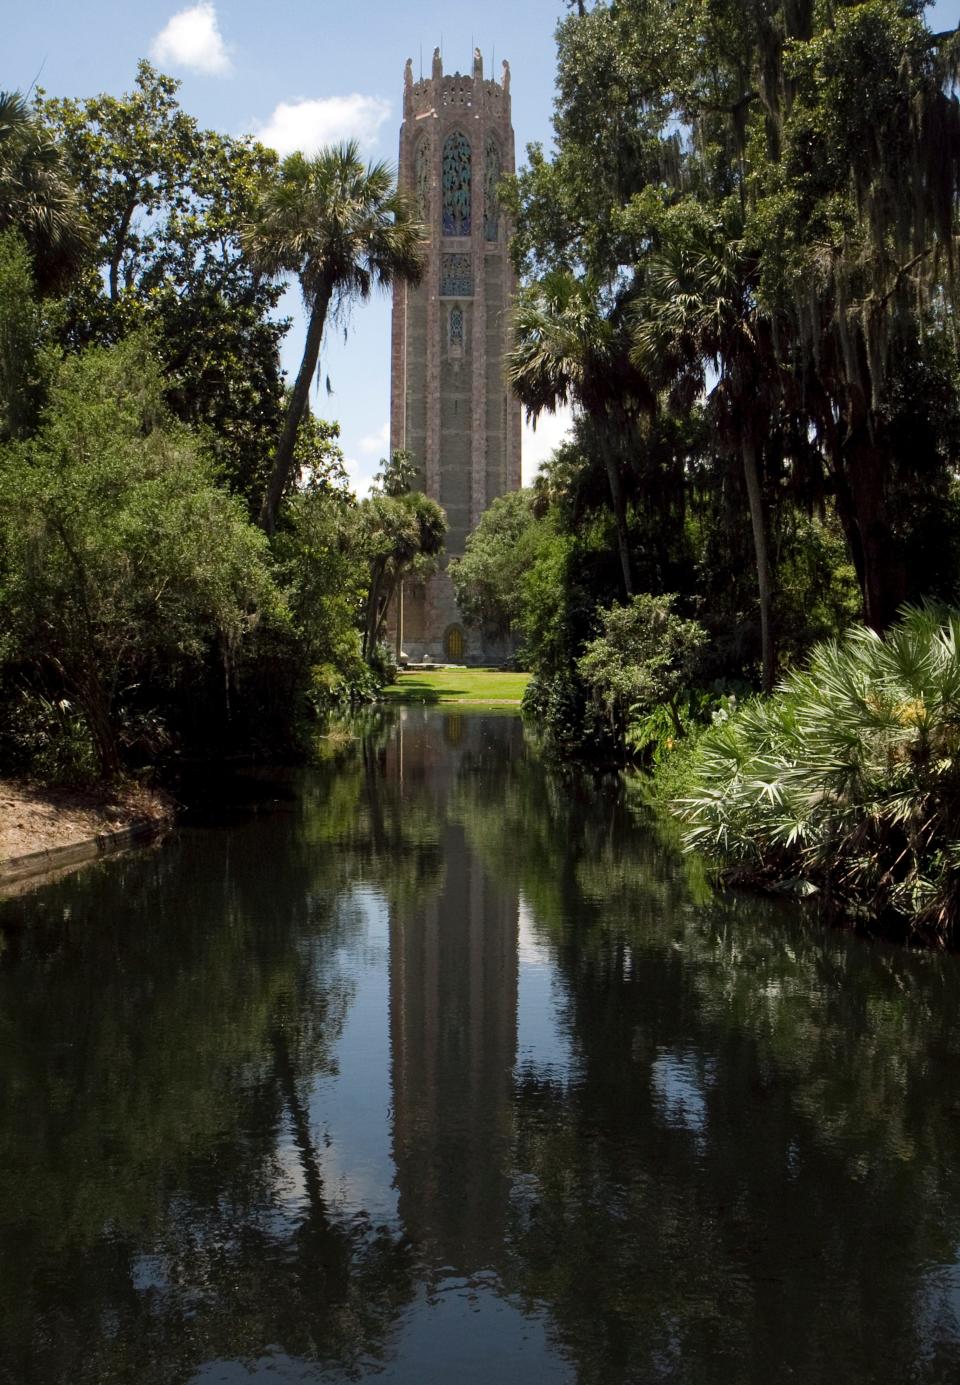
(458, 686)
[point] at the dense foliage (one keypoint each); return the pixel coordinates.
(145, 427)
(738, 268)
(645, 657)
(848, 780)
(124, 564)
(166, 202)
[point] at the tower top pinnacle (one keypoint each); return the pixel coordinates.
(433, 94)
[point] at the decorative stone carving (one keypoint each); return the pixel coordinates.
(456, 276)
(456, 332)
(456, 185)
(421, 175)
(491, 179)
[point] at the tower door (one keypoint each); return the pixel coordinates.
(454, 642)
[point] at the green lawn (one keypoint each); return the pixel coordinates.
(460, 686)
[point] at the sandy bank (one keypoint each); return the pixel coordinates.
(35, 818)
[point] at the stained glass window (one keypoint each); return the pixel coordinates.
(456, 185)
(456, 328)
(491, 178)
(456, 277)
(421, 173)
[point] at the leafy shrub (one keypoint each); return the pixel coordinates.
(324, 584)
(644, 659)
(343, 684)
(383, 662)
(558, 705)
(848, 779)
(653, 736)
(125, 572)
(46, 739)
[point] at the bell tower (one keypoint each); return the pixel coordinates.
(450, 404)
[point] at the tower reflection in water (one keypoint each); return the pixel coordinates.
(453, 1017)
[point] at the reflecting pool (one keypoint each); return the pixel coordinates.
(431, 1064)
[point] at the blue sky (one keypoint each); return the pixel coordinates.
(296, 73)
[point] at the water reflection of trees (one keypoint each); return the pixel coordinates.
(378, 808)
(748, 1174)
(751, 1170)
(163, 1021)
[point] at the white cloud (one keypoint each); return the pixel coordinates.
(192, 39)
(376, 442)
(308, 125)
(550, 432)
(361, 474)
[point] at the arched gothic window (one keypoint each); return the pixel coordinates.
(456, 185)
(421, 175)
(491, 178)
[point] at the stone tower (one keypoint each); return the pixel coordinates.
(450, 405)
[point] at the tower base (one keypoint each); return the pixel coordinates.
(433, 630)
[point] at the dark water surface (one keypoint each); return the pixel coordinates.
(440, 1070)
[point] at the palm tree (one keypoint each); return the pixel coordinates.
(37, 197)
(404, 535)
(568, 350)
(343, 230)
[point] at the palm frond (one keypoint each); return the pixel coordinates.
(849, 776)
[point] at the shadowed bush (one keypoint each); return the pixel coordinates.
(847, 780)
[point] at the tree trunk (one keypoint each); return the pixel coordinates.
(384, 608)
(300, 1123)
(848, 523)
(96, 711)
(296, 409)
(620, 516)
(834, 426)
(882, 576)
(121, 243)
(373, 601)
(755, 498)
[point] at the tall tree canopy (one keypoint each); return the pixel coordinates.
(767, 195)
(167, 200)
(38, 197)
